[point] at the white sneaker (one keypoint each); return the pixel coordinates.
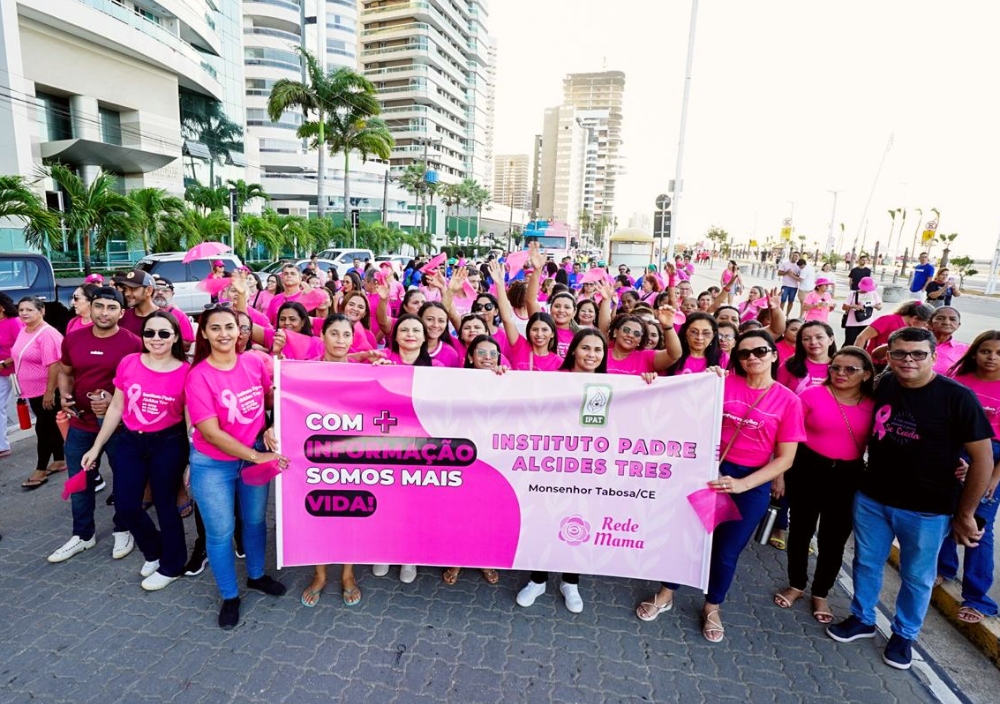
(72, 547)
(156, 581)
(531, 591)
(407, 573)
(123, 544)
(149, 567)
(380, 570)
(571, 593)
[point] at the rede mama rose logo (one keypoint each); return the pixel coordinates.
(574, 530)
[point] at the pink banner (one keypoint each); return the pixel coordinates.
(546, 471)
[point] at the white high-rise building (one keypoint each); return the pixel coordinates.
(433, 64)
(512, 180)
(563, 156)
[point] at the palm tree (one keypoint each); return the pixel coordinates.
(19, 200)
(206, 122)
(413, 181)
(340, 91)
(95, 209)
(152, 207)
(246, 192)
(191, 226)
(947, 241)
(346, 131)
(207, 198)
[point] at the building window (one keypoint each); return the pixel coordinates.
(111, 126)
(54, 117)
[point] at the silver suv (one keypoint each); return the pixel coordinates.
(185, 277)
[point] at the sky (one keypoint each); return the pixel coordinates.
(788, 100)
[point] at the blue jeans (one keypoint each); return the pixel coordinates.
(731, 537)
(77, 443)
(788, 293)
(977, 576)
(158, 458)
(920, 536)
(216, 485)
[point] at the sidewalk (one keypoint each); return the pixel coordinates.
(83, 631)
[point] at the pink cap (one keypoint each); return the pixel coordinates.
(218, 262)
(94, 279)
(866, 285)
(823, 281)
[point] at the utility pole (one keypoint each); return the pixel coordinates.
(678, 174)
(385, 199)
(830, 239)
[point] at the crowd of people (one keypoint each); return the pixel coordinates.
(893, 435)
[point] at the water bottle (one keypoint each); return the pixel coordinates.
(766, 524)
(23, 415)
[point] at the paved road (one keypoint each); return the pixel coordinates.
(84, 631)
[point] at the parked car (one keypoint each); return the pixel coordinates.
(275, 267)
(344, 258)
(398, 261)
(185, 277)
(25, 274)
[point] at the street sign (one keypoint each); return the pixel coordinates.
(786, 233)
(929, 232)
(661, 223)
(787, 222)
(663, 202)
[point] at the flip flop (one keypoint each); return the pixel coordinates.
(785, 602)
(712, 627)
(491, 576)
(778, 543)
(32, 484)
(969, 615)
(49, 471)
(352, 596)
(186, 508)
(310, 597)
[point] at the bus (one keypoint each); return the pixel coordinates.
(554, 237)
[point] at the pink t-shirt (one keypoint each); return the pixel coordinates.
(268, 361)
(396, 359)
(884, 326)
(297, 345)
(278, 301)
(522, 359)
(258, 318)
(785, 350)
(821, 313)
(446, 355)
(815, 375)
(9, 330)
(727, 276)
(153, 400)
(76, 323)
(234, 397)
(33, 354)
(948, 354)
(262, 301)
(363, 339)
(826, 430)
(692, 365)
(988, 393)
(777, 418)
(637, 362)
(564, 336)
(183, 322)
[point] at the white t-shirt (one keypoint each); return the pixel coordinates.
(808, 274)
(786, 280)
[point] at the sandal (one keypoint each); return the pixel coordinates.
(784, 599)
(56, 467)
(967, 614)
(938, 581)
(186, 509)
(450, 575)
(491, 576)
(649, 610)
(778, 541)
(32, 482)
(352, 595)
(712, 627)
(821, 610)
(310, 597)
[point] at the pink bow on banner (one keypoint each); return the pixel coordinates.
(436, 261)
(260, 474)
(75, 484)
(515, 261)
(713, 508)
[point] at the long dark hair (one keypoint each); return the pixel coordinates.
(410, 293)
(796, 364)
(202, 347)
(579, 306)
(446, 333)
(623, 318)
(496, 308)
(546, 319)
(300, 310)
(177, 350)
(470, 353)
(570, 361)
(366, 319)
(868, 385)
(734, 363)
(355, 281)
(712, 353)
(967, 364)
(336, 318)
(424, 358)
(279, 288)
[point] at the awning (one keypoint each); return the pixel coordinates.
(237, 159)
(122, 160)
(196, 149)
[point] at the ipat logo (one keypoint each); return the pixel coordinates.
(596, 404)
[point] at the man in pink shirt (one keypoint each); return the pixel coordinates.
(291, 280)
(944, 324)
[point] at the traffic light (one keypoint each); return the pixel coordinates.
(355, 217)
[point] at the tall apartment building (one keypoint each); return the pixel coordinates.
(512, 180)
(432, 63)
(598, 99)
(562, 165)
(122, 86)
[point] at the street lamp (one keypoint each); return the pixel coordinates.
(510, 190)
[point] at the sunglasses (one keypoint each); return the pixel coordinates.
(483, 306)
(487, 354)
(850, 371)
(79, 298)
(162, 334)
(917, 355)
(224, 305)
(632, 332)
(758, 352)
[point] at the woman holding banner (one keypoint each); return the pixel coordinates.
(535, 351)
(627, 338)
(226, 396)
(761, 428)
(338, 335)
(587, 354)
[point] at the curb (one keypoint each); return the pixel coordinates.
(985, 635)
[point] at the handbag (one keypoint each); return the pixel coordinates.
(865, 313)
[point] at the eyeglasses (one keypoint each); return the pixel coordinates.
(245, 328)
(79, 298)
(758, 352)
(632, 332)
(917, 355)
(162, 334)
(850, 371)
(483, 306)
(487, 354)
(727, 338)
(700, 333)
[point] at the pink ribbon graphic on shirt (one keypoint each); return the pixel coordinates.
(882, 415)
(134, 407)
(232, 404)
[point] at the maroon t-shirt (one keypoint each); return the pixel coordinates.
(133, 322)
(94, 361)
